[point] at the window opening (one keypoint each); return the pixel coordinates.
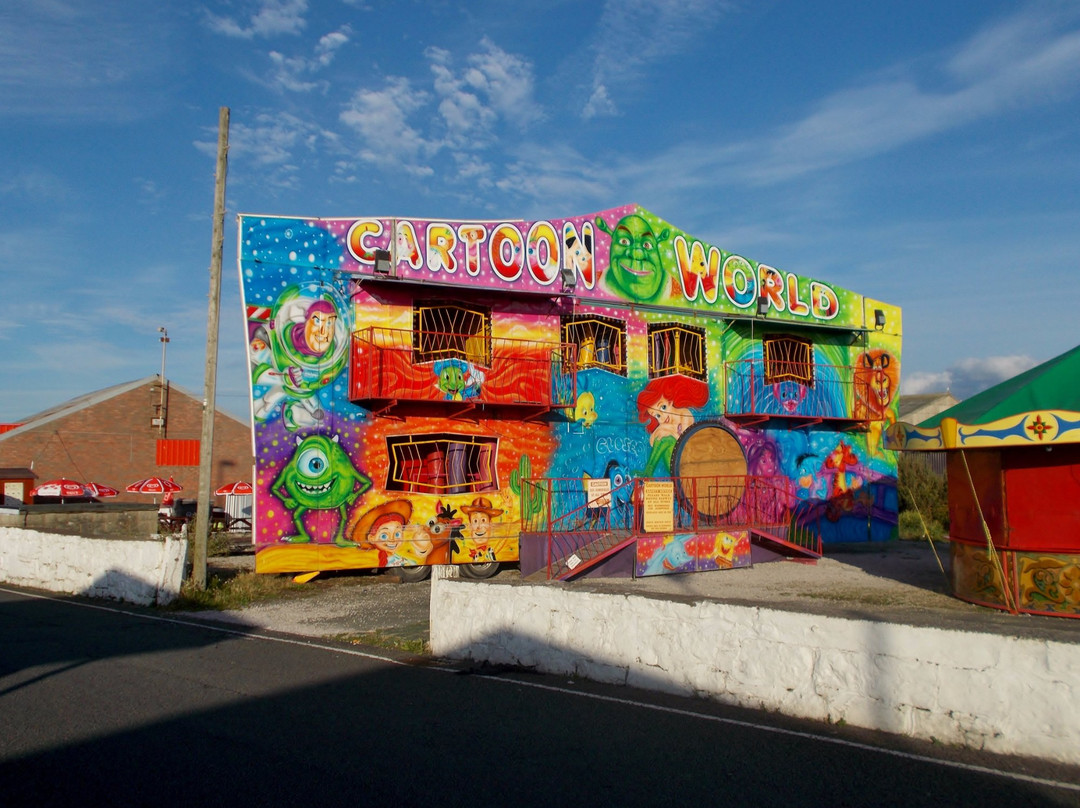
(442, 463)
(676, 349)
(447, 331)
(600, 341)
(788, 359)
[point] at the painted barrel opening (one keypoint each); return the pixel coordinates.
(709, 465)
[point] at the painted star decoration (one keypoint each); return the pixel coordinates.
(1039, 428)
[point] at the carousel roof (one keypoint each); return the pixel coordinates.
(1037, 407)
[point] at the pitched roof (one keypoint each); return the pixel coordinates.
(92, 399)
(913, 403)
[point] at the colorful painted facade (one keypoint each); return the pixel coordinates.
(425, 391)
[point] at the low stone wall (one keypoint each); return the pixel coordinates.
(144, 572)
(99, 520)
(1002, 694)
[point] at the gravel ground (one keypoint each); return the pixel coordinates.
(892, 582)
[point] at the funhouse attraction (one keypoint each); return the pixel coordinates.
(598, 395)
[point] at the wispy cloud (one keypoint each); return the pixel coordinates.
(554, 176)
(49, 67)
(33, 185)
(1014, 63)
(632, 34)
(268, 18)
(270, 143)
(1021, 61)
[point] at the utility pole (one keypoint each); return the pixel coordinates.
(161, 409)
(206, 445)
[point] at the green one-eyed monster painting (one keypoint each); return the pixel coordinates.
(320, 476)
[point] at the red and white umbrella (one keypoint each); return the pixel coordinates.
(63, 488)
(154, 485)
(239, 488)
(101, 491)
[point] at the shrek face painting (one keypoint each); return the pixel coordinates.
(634, 269)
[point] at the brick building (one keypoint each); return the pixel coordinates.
(125, 433)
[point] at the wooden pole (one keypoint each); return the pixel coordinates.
(206, 445)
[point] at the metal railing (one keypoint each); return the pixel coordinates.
(811, 390)
(574, 520)
(388, 364)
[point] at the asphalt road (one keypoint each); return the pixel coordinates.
(104, 705)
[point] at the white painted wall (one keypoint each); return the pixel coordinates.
(142, 572)
(1002, 694)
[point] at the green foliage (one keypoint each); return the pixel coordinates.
(922, 494)
(912, 527)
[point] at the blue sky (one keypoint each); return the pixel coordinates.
(925, 153)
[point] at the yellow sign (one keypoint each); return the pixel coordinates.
(658, 506)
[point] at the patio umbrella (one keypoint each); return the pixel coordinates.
(101, 491)
(154, 485)
(239, 488)
(62, 488)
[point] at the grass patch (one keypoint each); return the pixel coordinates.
(236, 592)
(854, 596)
(381, 639)
(218, 544)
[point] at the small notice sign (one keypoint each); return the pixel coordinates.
(598, 492)
(658, 506)
(573, 561)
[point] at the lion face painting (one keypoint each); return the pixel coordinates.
(877, 378)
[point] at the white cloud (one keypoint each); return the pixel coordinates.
(494, 86)
(506, 80)
(859, 122)
(291, 73)
(968, 376)
(269, 18)
(599, 103)
(380, 117)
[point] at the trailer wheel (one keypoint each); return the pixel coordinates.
(410, 575)
(479, 571)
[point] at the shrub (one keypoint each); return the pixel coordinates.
(921, 490)
(911, 527)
